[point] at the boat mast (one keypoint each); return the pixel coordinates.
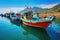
(27, 4)
(27, 8)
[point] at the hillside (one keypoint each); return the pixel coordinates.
(56, 8)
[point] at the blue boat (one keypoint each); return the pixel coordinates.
(15, 17)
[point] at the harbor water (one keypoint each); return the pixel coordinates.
(10, 30)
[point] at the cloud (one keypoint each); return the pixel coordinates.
(47, 6)
(4, 10)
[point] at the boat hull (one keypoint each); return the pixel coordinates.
(38, 24)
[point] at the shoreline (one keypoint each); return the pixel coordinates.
(57, 14)
(50, 14)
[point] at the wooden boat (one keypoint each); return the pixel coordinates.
(7, 14)
(15, 17)
(38, 22)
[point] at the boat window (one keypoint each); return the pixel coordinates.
(13, 16)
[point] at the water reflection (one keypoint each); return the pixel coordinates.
(41, 34)
(54, 31)
(19, 31)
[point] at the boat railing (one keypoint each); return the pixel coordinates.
(38, 19)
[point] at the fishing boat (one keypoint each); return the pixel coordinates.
(6, 14)
(37, 22)
(15, 17)
(2, 15)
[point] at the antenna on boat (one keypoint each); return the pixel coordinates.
(28, 9)
(27, 4)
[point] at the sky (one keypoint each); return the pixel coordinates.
(20, 4)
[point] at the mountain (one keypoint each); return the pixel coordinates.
(35, 9)
(56, 8)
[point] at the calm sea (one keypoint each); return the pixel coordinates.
(16, 31)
